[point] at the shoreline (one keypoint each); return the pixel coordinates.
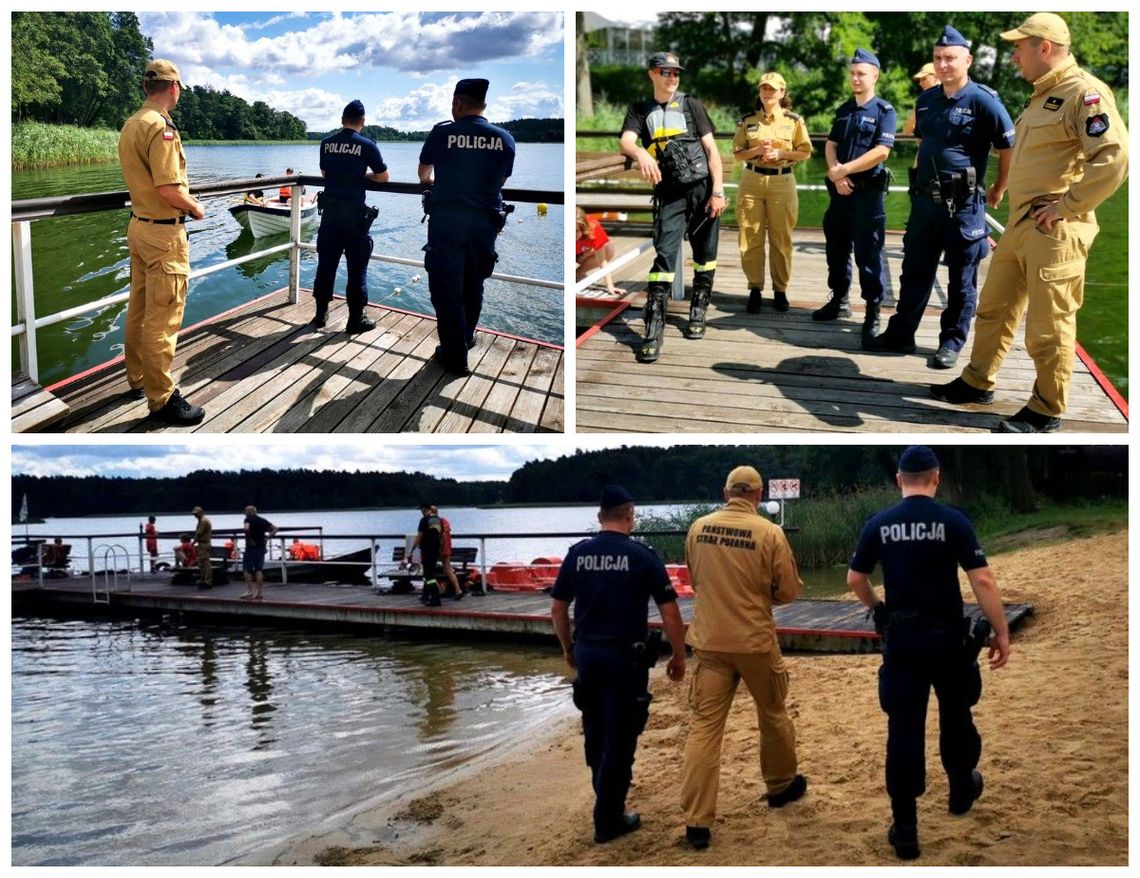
(1055, 756)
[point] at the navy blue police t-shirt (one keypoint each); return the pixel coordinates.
(472, 158)
(921, 543)
(345, 158)
(959, 132)
(857, 130)
(610, 578)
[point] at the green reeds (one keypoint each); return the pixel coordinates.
(36, 145)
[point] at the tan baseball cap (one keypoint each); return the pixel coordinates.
(162, 71)
(776, 81)
(926, 70)
(1043, 25)
(746, 476)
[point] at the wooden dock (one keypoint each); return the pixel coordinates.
(807, 625)
(261, 368)
(755, 373)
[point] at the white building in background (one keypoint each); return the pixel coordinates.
(613, 42)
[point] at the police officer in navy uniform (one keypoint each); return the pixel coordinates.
(471, 159)
(957, 125)
(346, 160)
(610, 579)
(921, 544)
(860, 140)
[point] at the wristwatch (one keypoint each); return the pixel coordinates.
(718, 194)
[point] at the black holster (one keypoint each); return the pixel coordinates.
(501, 216)
(646, 652)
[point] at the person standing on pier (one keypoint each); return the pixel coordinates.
(768, 142)
(921, 544)
(203, 538)
(465, 162)
(610, 578)
(429, 540)
(154, 170)
(741, 565)
(1071, 154)
(257, 532)
(151, 533)
(959, 122)
(862, 135)
(348, 160)
(678, 155)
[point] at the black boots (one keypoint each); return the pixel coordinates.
(321, 315)
(357, 322)
(698, 307)
(870, 323)
(654, 327)
(836, 307)
(755, 300)
(431, 594)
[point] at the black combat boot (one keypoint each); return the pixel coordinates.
(654, 328)
(698, 307)
(870, 322)
(357, 322)
(321, 315)
(837, 306)
(780, 300)
(431, 593)
(755, 300)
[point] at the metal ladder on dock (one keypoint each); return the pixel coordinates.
(110, 574)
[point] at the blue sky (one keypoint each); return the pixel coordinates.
(402, 65)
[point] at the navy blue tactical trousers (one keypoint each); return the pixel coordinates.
(340, 234)
(931, 232)
(459, 256)
(612, 693)
(908, 673)
(857, 221)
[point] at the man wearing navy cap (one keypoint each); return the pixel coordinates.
(346, 160)
(860, 140)
(741, 566)
(679, 157)
(610, 578)
(957, 125)
(470, 159)
(921, 544)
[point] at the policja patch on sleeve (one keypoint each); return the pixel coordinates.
(1096, 125)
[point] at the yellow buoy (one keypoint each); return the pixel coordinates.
(541, 209)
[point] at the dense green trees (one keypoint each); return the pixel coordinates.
(1010, 476)
(206, 114)
(523, 130)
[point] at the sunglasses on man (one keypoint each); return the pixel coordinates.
(668, 72)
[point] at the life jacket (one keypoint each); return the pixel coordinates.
(284, 192)
(446, 525)
(679, 152)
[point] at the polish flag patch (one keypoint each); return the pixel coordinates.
(1092, 98)
(169, 135)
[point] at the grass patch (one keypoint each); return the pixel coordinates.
(36, 145)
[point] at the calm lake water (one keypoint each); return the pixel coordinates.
(84, 258)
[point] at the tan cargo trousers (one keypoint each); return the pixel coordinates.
(712, 685)
(767, 207)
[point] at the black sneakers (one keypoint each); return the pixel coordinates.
(1029, 421)
(795, 790)
(958, 392)
(179, 412)
(963, 801)
(698, 837)
(630, 822)
(359, 324)
(904, 839)
(944, 358)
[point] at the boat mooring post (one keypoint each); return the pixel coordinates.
(25, 297)
(295, 240)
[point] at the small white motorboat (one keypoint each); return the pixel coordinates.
(271, 217)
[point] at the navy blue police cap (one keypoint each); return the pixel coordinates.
(951, 37)
(353, 110)
(917, 459)
(615, 495)
(473, 88)
(862, 56)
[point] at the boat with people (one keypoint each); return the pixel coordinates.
(271, 216)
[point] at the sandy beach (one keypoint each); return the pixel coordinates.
(1054, 725)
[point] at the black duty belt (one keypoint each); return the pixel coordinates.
(164, 222)
(768, 172)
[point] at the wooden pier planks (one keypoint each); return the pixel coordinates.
(786, 373)
(263, 368)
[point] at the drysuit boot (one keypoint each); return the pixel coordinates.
(431, 593)
(698, 308)
(654, 328)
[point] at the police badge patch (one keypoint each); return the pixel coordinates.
(1096, 125)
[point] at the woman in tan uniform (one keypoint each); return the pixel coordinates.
(769, 141)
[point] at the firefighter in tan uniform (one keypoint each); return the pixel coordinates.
(1071, 153)
(154, 169)
(769, 142)
(741, 564)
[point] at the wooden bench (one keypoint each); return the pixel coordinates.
(33, 408)
(404, 578)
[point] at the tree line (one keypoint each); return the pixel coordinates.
(724, 54)
(1015, 477)
(523, 130)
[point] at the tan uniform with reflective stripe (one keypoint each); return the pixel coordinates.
(150, 155)
(1071, 146)
(740, 564)
(767, 207)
